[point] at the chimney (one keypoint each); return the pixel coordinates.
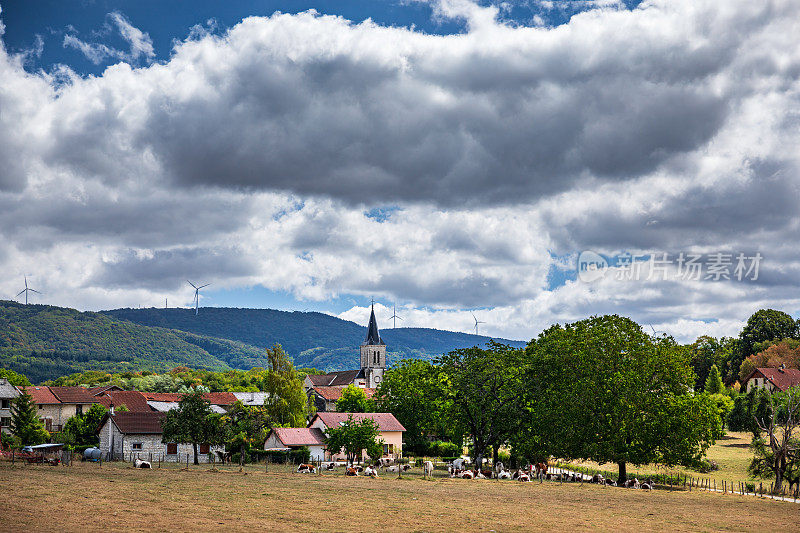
(112, 408)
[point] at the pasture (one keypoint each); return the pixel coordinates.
(87, 497)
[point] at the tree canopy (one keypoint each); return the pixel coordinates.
(602, 389)
(354, 400)
(193, 422)
(25, 423)
(352, 437)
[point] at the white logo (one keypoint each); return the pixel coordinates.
(591, 266)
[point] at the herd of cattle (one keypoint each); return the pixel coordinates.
(459, 468)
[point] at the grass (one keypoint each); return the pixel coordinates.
(86, 497)
(731, 453)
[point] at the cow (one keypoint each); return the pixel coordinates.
(383, 462)
(459, 463)
(523, 477)
(631, 484)
(351, 471)
(504, 474)
(541, 470)
(393, 468)
(406, 468)
(329, 466)
(304, 468)
(598, 478)
(141, 464)
(467, 474)
(371, 471)
(498, 467)
(610, 482)
(480, 475)
(646, 486)
(427, 469)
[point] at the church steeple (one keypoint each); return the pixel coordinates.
(373, 335)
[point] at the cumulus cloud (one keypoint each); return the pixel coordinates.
(259, 156)
(140, 44)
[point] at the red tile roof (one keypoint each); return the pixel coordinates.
(782, 379)
(386, 421)
(137, 423)
(135, 401)
(217, 398)
(300, 436)
(73, 394)
(334, 393)
(98, 390)
(41, 395)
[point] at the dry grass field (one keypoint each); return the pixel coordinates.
(86, 497)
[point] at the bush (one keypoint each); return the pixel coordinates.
(704, 466)
(440, 448)
(301, 455)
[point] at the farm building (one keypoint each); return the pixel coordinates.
(7, 393)
(391, 430)
(772, 379)
(127, 435)
(284, 439)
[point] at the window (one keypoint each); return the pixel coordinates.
(204, 448)
(5, 404)
(136, 446)
(172, 448)
(41, 407)
(5, 422)
(78, 409)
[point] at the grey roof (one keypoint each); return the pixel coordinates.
(373, 335)
(343, 377)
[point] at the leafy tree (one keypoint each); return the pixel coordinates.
(354, 400)
(14, 378)
(81, 429)
(416, 393)
(771, 354)
(776, 447)
(602, 389)
(714, 381)
(192, 422)
(763, 325)
(353, 437)
(706, 352)
(244, 425)
(484, 393)
(25, 423)
(287, 403)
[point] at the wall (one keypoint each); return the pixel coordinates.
(388, 437)
(7, 392)
(152, 447)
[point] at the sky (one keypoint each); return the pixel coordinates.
(522, 163)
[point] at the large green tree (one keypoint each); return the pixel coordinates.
(713, 384)
(193, 422)
(708, 351)
(484, 394)
(25, 423)
(416, 392)
(287, 404)
(602, 389)
(14, 378)
(354, 400)
(245, 425)
(353, 436)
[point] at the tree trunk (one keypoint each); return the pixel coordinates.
(241, 457)
(495, 451)
(623, 472)
(194, 449)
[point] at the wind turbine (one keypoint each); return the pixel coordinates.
(196, 294)
(476, 322)
(394, 317)
(26, 290)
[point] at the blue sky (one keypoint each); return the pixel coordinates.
(451, 156)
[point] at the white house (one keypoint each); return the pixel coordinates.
(284, 439)
(7, 393)
(124, 436)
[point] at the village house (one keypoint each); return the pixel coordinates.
(56, 405)
(773, 379)
(323, 390)
(7, 393)
(390, 430)
(285, 439)
(126, 436)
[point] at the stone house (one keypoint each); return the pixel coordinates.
(126, 436)
(7, 393)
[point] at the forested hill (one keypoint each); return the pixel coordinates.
(312, 339)
(44, 342)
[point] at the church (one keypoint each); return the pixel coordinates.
(324, 390)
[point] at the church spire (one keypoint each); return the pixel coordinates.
(373, 335)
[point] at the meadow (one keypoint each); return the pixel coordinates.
(114, 496)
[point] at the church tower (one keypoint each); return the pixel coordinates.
(373, 354)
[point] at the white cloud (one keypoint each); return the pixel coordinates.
(251, 157)
(141, 46)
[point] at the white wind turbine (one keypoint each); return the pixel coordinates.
(196, 294)
(394, 318)
(476, 322)
(26, 290)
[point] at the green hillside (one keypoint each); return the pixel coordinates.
(312, 339)
(44, 342)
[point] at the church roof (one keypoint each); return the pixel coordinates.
(373, 335)
(343, 377)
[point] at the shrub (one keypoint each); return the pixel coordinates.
(440, 448)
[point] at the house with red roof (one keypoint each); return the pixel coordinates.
(390, 429)
(773, 379)
(283, 439)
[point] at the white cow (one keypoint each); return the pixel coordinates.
(504, 474)
(141, 464)
(458, 464)
(371, 471)
(427, 469)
